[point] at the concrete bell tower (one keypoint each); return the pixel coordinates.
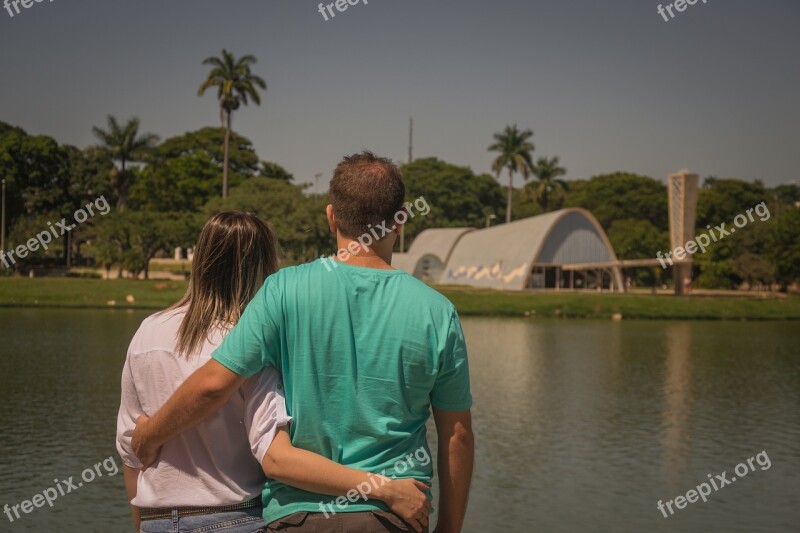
(682, 192)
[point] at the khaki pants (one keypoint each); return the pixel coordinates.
(361, 522)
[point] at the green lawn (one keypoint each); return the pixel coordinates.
(72, 292)
(78, 292)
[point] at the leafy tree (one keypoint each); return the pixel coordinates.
(547, 172)
(299, 221)
(152, 233)
(754, 269)
(236, 85)
(514, 149)
(524, 203)
(36, 172)
(242, 157)
(24, 229)
(125, 145)
(275, 172)
(620, 196)
(131, 239)
(46, 182)
(184, 171)
(114, 235)
(725, 199)
(784, 247)
(106, 255)
(456, 196)
(638, 239)
(788, 194)
(89, 170)
(715, 268)
(38, 182)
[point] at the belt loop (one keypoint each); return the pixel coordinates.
(175, 520)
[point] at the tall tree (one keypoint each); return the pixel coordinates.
(514, 149)
(547, 173)
(236, 85)
(123, 144)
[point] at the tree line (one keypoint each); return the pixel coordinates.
(165, 190)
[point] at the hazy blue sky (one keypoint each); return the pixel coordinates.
(605, 85)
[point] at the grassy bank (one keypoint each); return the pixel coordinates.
(78, 292)
(644, 306)
(63, 292)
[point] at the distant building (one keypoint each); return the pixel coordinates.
(429, 253)
(565, 249)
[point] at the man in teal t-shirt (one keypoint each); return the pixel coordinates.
(366, 352)
(358, 385)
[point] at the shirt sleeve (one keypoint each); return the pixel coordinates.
(254, 343)
(264, 410)
(451, 391)
(129, 410)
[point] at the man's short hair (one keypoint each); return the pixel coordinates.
(366, 191)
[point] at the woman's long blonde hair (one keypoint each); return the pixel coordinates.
(235, 252)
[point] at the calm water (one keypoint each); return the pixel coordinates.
(581, 426)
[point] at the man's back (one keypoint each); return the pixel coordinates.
(364, 353)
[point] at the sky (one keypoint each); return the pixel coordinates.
(605, 85)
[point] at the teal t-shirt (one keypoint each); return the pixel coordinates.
(364, 354)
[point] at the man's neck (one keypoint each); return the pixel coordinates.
(379, 257)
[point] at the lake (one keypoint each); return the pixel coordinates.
(580, 425)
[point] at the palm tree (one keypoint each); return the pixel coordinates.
(547, 172)
(123, 144)
(515, 149)
(236, 85)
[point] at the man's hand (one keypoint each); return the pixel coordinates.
(406, 498)
(143, 446)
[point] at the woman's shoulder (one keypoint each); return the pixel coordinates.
(158, 331)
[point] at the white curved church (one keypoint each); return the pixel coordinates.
(565, 249)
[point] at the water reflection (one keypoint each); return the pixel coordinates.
(584, 426)
(677, 401)
(580, 425)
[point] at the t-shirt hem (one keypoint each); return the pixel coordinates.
(453, 406)
(231, 365)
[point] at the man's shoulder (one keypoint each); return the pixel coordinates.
(409, 287)
(294, 272)
(425, 294)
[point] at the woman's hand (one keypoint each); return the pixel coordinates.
(406, 498)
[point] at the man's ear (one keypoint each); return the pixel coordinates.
(331, 218)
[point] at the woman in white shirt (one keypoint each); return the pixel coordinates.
(210, 477)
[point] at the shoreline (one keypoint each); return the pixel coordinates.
(135, 295)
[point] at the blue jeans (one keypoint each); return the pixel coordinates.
(244, 521)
